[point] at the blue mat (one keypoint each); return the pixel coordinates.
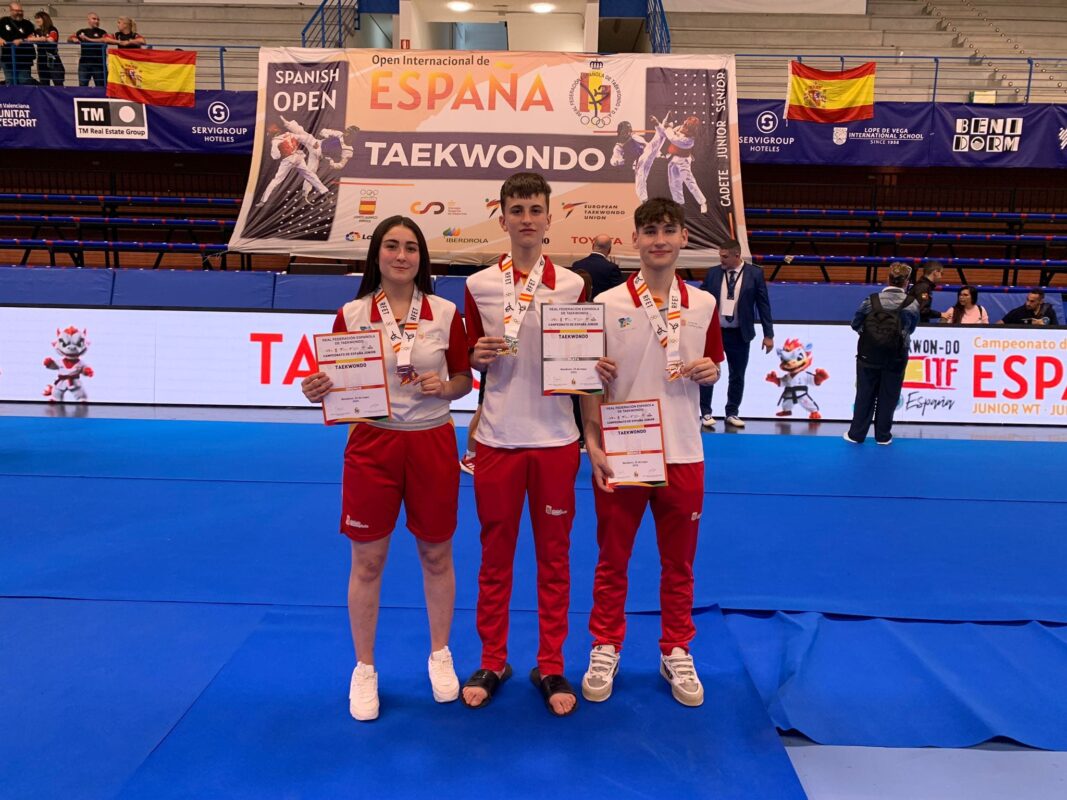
(164, 700)
(89, 688)
(246, 512)
(885, 683)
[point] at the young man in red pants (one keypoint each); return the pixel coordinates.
(527, 444)
(648, 358)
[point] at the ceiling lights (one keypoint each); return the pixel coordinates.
(542, 8)
(459, 6)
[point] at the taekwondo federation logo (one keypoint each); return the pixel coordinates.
(1063, 138)
(595, 96)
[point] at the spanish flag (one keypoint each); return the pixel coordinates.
(152, 77)
(818, 96)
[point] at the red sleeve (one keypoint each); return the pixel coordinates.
(339, 325)
(457, 356)
(582, 298)
(713, 340)
(473, 317)
(53, 35)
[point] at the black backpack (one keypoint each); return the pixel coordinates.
(882, 338)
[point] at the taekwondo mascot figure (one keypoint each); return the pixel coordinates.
(70, 345)
(795, 383)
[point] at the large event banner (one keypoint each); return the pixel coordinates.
(346, 138)
(70, 356)
(897, 135)
(1012, 135)
(970, 374)
(70, 118)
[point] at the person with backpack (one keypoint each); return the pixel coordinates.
(885, 322)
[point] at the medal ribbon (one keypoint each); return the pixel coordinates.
(402, 342)
(515, 309)
(669, 333)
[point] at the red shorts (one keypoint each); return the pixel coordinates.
(384, 467)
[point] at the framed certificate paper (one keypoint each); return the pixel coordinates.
(572, 341)
(354, 363)
(633, 442)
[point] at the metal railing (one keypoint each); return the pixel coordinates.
(914, 78)
(659, 34)
(331, 24)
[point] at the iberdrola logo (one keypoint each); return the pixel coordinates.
(452, 231)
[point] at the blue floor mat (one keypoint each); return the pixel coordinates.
(275, 723)
(891, 683)
(245, 512)
(90, 688)
(788, 466)
(167, 700)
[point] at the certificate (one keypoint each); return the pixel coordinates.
(572, 341)
(354, 363)
(633, 442)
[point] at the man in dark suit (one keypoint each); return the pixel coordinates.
(605, 274)
(740, 291)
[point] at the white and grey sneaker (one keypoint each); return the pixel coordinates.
(735, 421)
(598, 679)
(708, 421)
(443, 678)
(363, 693)
(680, 673)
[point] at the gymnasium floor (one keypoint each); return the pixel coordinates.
(172, 623)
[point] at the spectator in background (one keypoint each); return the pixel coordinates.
(740, 291)
(93, 61)
(966, 311)
(885, 323)
(17, 56)
(50, 70)
(126, 37)
(923, 290)
(604, 273)
(1035, 311)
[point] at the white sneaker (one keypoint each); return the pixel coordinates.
(848, 438)
(443, 678)
(707, 421)
(603, 667)
(363, 693)
(680, 673)
(735, 421)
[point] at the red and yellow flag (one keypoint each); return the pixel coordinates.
(152, 77)
(818, 96)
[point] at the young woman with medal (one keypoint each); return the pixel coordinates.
(409, 458)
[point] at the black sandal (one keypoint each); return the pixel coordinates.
(551, 685)
(488, 680)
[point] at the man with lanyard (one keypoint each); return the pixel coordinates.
(92, 64)
(527, 444)
(17, 55)
(740, 291)
(651, 358)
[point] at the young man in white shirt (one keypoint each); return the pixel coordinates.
(527, 444)
(663, 343)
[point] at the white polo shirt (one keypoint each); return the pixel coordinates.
(515, 413)
(440, 346)
(642, 361)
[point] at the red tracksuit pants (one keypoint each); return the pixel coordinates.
(501, 481)
(676, 508)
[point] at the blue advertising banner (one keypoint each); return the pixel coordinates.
(1013, 135)
(897, 135)
(75, 118)
(900, 134)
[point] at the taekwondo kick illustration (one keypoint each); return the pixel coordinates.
(680, 141)
(285, 147)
